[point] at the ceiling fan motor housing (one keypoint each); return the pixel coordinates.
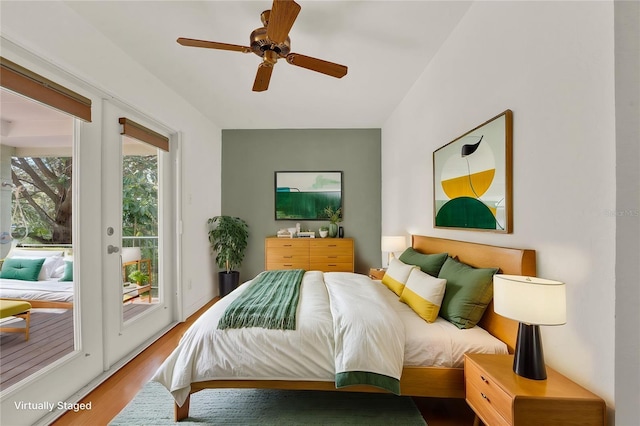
(260, 43)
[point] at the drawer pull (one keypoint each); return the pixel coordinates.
(288, 257)
(333, 245)
(485, 397)
(332, 264)
(287, 245)
(288, 264)
(484, 380)
(332, 257)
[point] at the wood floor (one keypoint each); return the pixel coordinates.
(115, 393)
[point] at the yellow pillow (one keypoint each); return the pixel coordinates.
(424, 294)
(396, 275)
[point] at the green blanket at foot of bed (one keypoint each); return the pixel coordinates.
(270, 301)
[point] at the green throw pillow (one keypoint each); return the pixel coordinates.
(21, 269)
(428, 263)
(68, 271)
(468, 293)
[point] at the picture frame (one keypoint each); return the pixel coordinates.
(473, 178)
(304, 195)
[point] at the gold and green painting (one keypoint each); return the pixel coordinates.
(472, 178)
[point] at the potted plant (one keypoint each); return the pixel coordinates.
(324, 231)
(139, 277)
(335, 217)
(228, 238)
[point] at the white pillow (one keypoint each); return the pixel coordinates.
(49, 267)
(37, 254)
(396, 275)
(424, 294)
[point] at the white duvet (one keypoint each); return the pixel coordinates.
(48, 290)
(309, 352)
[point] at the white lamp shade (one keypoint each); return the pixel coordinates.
(393, 243)
(130, 254)
(530, 300)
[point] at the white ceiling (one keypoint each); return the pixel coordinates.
(385, 44)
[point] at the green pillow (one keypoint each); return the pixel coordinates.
(68, 271)
(468, 293)
(21, 269)
(428, 263)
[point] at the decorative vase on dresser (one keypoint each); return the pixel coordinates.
(333, 229)
(311, 254)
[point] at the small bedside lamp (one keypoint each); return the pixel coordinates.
(391, 244)
(533, 302)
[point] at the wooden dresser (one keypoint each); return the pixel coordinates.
(499, 397)
(311, 254)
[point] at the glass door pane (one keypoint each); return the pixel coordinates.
(36, 211)
(139, 227)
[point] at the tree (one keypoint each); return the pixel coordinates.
(140, 195)
(44, 193)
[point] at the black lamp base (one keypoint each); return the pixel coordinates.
(529, 359)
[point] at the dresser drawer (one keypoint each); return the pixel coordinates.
(483, 391)
(331, 266)
(330, 258)
(331, 246)
(287, 243)
(284, 254)
(287, 265)
(484, 407)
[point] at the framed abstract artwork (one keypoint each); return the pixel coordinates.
(472, 178)
(305, 195)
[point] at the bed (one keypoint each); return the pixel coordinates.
(51, 285)
(187, 370)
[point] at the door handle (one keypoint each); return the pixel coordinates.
(112, 249)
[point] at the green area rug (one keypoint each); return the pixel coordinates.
(154, 406)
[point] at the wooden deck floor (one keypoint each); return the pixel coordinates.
(50, 338)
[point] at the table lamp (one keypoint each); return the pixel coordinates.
(533, 302)
(391, 244)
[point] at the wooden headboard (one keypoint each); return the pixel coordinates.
(510, 261)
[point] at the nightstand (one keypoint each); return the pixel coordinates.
(500, 397)
(376, 273)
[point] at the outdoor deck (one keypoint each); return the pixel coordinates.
(50, 338)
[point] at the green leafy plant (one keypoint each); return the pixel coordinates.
(324, 228)
(335, 216)
(139, 277)
(228, 237)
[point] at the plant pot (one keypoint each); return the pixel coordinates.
(323, 233)
(227, 282)
(333, 230)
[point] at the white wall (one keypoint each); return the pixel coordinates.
(552, 64)
(55, 33)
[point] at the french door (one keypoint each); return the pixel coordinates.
(138, 231)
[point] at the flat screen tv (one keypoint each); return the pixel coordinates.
(306, 195)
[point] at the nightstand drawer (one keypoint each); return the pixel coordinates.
(483, 390)
(484, 406)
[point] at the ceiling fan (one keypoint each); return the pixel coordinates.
(271, 42)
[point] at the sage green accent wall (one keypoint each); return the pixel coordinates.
(250, 158)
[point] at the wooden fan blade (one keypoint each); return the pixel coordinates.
(283, 15)
(263, 76)
(213, 45)
(318, 65)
